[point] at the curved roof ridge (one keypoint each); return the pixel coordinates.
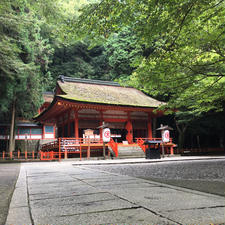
(87, 81)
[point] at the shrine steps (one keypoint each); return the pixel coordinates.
(46, 141)
(130, 152)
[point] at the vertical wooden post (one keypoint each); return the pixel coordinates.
(171, 150)
(63, 128)
(103, 149)
(129, 129)
(163, 150)
(65, 154)
(80, 152)
(3, 155)
(89, 148)
(149, 126)
(10, 155)
(101, 123)
(32, 154)
(76, 126)
(18, 154)
(68, 124)
(154, 123)
(59, 140)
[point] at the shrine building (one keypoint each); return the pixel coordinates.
(81, 104)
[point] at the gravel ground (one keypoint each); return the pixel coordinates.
(204, 175)
(8, 176)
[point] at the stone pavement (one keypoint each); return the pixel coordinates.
(65, 193)
(8, 176)
(143, 160)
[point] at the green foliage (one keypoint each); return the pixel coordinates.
(186, 39)
(121, 50)
(77, 60)
(24, 57)
(113, 59)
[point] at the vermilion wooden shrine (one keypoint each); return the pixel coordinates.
(81, 104)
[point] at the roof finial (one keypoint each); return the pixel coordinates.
(62, 78)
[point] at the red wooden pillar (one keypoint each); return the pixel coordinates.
(149, 126)
(65, 154)
(129, 128)
(76, 125)
(63, 128)
(59, 141)
(171, 150)
(68, 125)
(10, 155)
(101, 123)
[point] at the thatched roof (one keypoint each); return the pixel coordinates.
(103, 92)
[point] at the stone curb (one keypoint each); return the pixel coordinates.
(19, 212)
(143, 161)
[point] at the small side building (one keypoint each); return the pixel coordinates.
(27, 132)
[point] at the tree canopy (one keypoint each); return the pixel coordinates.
(185, 41)
(24, 56)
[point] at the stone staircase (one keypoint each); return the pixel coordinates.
(45, 141)
(133, 151)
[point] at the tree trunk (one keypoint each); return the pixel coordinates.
(181, 140)
(224, 126)
(198, 141)
(12, 127)
(181, 130)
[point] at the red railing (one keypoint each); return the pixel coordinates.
(141, 141)
(70, 145)
(18, 155)
(65, 146)
(73, 142)
(114, 146)
(47, 155)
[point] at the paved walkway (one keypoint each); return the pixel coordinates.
(70, 193)
(8, 176)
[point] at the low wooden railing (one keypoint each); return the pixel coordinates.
(49, 155)
(141, 141)
(69, 142)
(18, 155)
(65, 146)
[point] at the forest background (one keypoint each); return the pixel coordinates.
(174, 51)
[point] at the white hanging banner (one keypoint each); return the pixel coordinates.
(165, 136)
(106, 135)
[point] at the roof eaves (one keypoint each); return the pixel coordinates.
(44, 111)
(102, 103)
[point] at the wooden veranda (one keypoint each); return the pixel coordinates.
(88, 147)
